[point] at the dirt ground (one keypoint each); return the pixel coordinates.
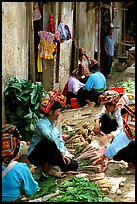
(76, 117)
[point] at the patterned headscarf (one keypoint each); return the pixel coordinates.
(48, 101)
(109, 96)
(10, 141)
(93, 62)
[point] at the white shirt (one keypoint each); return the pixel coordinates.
(74, 85)
(116, 115)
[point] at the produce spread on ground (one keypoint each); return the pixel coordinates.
(89, 183)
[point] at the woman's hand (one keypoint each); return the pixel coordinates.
(60, 118)
(33, 169)
(105, 138)
(65, 159)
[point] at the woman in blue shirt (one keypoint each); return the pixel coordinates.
(47, 146)
(95, 85)
(19, 177)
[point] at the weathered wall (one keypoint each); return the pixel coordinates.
(66, 47)
(14, 43)
(49, 66)
(87, 28)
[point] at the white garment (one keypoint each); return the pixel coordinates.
(74, 85)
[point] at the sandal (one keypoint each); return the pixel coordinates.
(53, 172)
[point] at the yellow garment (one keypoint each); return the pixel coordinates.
(39, 63)
(46, 49)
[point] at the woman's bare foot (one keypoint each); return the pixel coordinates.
(89, 103)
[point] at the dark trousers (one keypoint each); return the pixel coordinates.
(69, 96)
(126, 154)
(108, 64)
(46, 151)
(83, 95)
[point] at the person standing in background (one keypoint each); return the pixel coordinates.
(109, 52)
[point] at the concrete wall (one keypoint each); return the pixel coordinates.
(65, 47)
(87, 28)
(49, 66)
(14, 44)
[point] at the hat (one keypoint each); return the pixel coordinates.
(10, 140)
(109, 96)
(49, 101)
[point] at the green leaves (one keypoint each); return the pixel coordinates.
(78, 189)
(22, 101)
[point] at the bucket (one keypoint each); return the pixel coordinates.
(120, 90)
(74, 103)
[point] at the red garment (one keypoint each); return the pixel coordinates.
(51, 24)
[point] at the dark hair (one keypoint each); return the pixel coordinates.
(109, 104)
(56, 105)
(94, 67)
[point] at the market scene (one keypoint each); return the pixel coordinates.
(68, 101)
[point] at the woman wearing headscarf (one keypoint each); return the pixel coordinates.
(47, 147)
(117, 122)
(16, 176)
(95, 85)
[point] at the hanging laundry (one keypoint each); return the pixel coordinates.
(36, 12)
(64, 32)
(39, 63)
(51, 24)
(46, 46)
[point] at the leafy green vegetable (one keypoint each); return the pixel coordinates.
(22, 100)
(78, 189)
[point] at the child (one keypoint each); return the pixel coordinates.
(110, 122)
(18, 176)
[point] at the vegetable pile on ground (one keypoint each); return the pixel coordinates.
(22, 100)
(80, 145)
(78, 189)
(129, 86)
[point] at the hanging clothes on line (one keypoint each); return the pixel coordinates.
(36, 12)
(51, 24)
(64, 32)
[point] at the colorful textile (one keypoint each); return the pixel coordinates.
(93, 62)
(49, 100)
(51, 24)
(127, 105)
(64, 32)
(109, 96)
(36, 12)
(10, 140)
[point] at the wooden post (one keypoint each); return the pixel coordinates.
(99, 31)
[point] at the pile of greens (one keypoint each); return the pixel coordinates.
(46, 186)
(128, 86)
(78, 189)
(22, 101)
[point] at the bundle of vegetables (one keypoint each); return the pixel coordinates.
(22, 100)
(103, 182)
(129, 86)
(82, 137)
(78, 189)
(88, 155)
